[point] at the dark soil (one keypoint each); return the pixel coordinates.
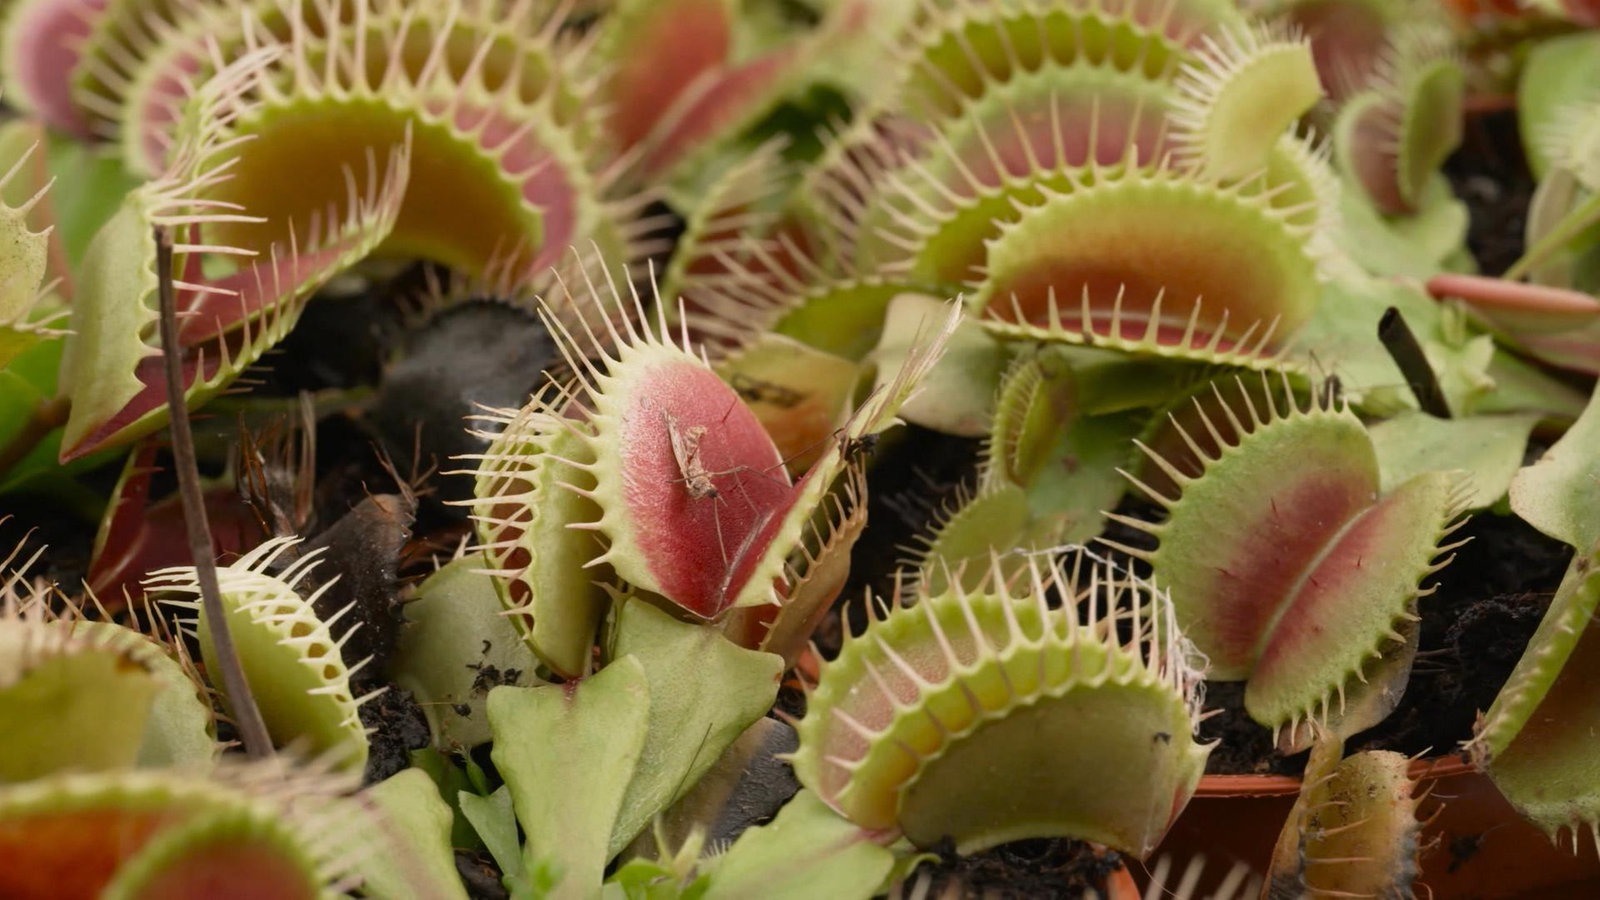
(1043, 869)
(1490, 174)
(396, 726)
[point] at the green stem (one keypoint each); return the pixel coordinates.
(1586, 214)
(46, 417)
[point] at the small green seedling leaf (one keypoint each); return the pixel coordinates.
(568, 753)
(495, 822)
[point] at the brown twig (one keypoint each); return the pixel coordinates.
(247, 716)
(1397, 338)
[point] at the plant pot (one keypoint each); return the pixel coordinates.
(1477, 845)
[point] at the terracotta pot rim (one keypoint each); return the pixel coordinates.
(1431, 767)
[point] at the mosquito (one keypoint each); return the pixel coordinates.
(686, 451)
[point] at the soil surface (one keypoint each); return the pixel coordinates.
(1046, 869)
(1490, 174)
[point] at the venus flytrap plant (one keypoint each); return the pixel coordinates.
(1288, 569)
(942, 685)
(650, 466)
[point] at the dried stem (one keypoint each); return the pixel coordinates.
(247, 716)
(1403, 348)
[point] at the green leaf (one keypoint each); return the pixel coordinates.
(704, 692)
(1560, 494)
(456, 631)
(90, 185)
(1488, 448)
(1558, 73)
(807, 851)
(413, 857)
(1418, 245)
(567, 753)
(496, 823)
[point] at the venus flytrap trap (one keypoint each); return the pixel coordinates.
(943, 685)
(149, 834)
(40, 50)
(293, 662)
(112, 370)
(24, 317)
(1288, 569)
(1055, 129)
(88, 699)
(1354, 831)
(651, 467)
